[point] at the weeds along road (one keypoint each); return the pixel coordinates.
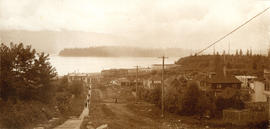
(125, 114)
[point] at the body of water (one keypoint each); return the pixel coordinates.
(65, 65)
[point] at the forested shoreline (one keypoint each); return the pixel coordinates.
(117, 51)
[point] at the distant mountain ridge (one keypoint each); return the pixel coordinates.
(119, 51)
(54, 41)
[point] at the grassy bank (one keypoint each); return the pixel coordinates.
(65, 101)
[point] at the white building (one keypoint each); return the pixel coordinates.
(152, 82)
(88, 78)
(140, 70)
(247, 81)
(258, 95)
(166, 66)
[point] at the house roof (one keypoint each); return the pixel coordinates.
(123, 80)
(224, 79)
(246, 77)
(266, 71)
(77, 74)
(83, 74)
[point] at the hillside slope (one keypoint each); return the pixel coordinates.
(254, 64)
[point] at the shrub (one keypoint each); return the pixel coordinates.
(22, 114)
(155, 96)
(235, 102)
(151, 95)
(76, 88)
(173, 100)
(205, 105)
(191, 98)
(196, 102)
(62, 86)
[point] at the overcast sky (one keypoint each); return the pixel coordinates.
(151, 23)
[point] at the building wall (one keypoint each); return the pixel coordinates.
(151, 84)
(86, 78)
(258, 95)
(225, 85)
(246, 80)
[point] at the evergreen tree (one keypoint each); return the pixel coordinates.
(223, 52)
(241, 52)
(23, 71)
(247, 53)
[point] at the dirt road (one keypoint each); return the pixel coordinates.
(125, 114)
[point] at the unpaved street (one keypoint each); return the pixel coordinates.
(125, 114)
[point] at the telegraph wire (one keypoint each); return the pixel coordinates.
(237, 28)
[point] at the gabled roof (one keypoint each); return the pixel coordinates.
(224, 79)
(77, 74)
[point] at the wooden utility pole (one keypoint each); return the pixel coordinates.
(137, 69)
(162, 87)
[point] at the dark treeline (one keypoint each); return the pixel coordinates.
(238, 63)
(117, 51)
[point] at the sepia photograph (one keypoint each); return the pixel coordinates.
(135, 64)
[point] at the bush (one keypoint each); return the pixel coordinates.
(62, 84)
(191, 99)
(151, 95)
(155, 96)
(205, 105)
(196, 102)
(22, 114)
(62, 101)
(76, 88)
(234, 102)
(173, 100)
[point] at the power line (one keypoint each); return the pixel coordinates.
(223, 37)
